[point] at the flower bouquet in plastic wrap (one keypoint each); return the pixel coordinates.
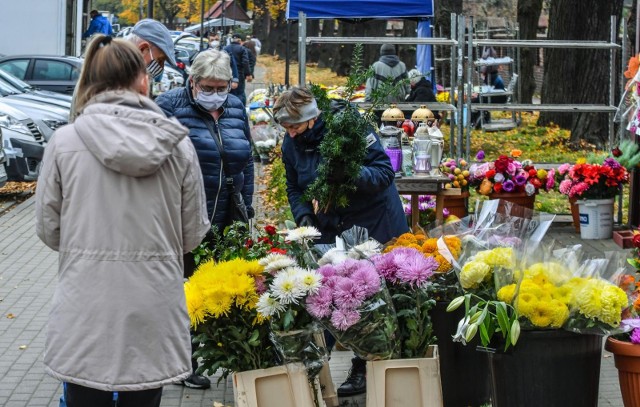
(221, 302)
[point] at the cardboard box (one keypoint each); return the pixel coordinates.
(405, 382)
(281, 386)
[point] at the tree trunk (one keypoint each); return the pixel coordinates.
(327, 51)
(277, 38)
(579, 76)
(442, 28)
(528, 15)
(407, 53)
(261, 22)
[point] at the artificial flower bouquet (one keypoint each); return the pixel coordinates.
(591, 180)
(458, 173)
(221, 302)
(507, 174)
(630, 284)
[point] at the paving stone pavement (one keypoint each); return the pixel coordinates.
(27, 282)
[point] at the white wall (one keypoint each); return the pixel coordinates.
(32, 27)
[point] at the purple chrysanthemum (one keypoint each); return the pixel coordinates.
(367, 278)
(347, 267)
(635, 336)
(331, 282)
(612, 162)
(445, 212)
(319, 304)
(520, 179)
(386, 266)
(327, 271)
(343, 319)
(348, 294)
(508, 186)
(480, 155)
(416, 269)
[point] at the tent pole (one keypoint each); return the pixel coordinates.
(302, 47)
(287, 55)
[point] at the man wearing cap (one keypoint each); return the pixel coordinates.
(241, 55)
(388, 67)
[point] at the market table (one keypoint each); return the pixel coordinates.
(423, 185)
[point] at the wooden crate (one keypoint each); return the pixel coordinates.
(281, 386)
(405, 382)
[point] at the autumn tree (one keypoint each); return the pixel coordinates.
(579, 76)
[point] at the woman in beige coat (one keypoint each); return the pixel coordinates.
(120, 196)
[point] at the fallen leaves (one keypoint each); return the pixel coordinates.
(10, 316)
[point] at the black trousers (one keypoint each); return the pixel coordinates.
(81, 396)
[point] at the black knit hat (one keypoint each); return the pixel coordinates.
(387, 49)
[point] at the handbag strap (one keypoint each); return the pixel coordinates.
(215, 133)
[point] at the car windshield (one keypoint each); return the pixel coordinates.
(7, 89)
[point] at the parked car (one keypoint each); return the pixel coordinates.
(54, 73)
(48, 117)
(27, 91)
(3, 160)
(191, 44)
(23, 144)
(124, 31)
(171, 78)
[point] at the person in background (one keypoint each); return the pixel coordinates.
(375, 205)
(255, 41)
(215, 118)
(108, 329)
(388, 67)
(214, 40)
(99, 25)
(253, 55)
(421, 88)
(214, 43)
(241, 54)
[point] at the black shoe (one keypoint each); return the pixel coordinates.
(197, 382)
(356, 382)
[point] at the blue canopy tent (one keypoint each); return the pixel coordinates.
(380, 9)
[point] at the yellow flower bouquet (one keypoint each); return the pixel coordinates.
(221, 302)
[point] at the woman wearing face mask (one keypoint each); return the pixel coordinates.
(217, 121)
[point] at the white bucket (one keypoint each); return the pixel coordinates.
(596, 218)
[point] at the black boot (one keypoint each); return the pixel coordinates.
(356, 382)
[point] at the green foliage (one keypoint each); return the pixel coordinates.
(276, 193)
(415, 329)
(630, 157)
(488, 317)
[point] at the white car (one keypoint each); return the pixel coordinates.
(47, 117)
(3, 160)
(23, 144)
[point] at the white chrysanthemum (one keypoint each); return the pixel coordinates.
(268, 306)
(365, 250)
(333, 256)
(293, 272)
(302, 233)
(276, 261)
(287, 288)
(311, 281)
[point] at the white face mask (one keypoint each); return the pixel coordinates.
(214, 44)
(211, 102)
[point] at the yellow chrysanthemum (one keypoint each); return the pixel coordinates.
(526, 303)
(195, 304)
(430, 246)
(601, 300)
(541, 315)
(560, 313)
(554, 273)
(218, 304)
(574, 285)
(406, 239)
(498, 257)
(454, 244)
(506, 293)
(473, 273)
(562, 294)
(420, 238)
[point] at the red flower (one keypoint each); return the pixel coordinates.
(502, 163)
(277, 250)
(490, 174)
(248, 243)
(270, 229)
(265, 240)
(497, 187)
(533, 173)
(636, 240)
(616, 152)
(536, 182)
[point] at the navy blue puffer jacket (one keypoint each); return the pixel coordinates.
(234, 130)
(375, 205)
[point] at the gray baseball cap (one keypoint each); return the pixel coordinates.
(156, 33)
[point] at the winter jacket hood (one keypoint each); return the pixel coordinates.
(140, 156)
(391, 60)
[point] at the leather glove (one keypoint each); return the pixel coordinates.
(307, 220)
(336, 175)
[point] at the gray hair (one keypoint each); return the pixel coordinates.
(211, 64)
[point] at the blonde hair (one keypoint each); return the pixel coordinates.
(292, 100)
(211, 64)
(108, 65)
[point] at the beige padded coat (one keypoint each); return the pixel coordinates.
(120, 197)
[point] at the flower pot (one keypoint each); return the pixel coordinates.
(627, 359)
(280, 386)
(596, 218)
(457, 204)
(525, 203)
(405, 382)
(460, 363)
(548, 368)
(575, 213)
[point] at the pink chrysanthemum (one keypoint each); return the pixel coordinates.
(343, 319)
(347, 267)
(327, 271)
(261, 287)
(348, 294)
(565, 186)
(386, 266)
(562, 169)
(578, 189)
(551, 179)
(367, 278)
(416, 269)
(319, 304)
(331, 282)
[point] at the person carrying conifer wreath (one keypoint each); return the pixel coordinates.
(374, 205)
